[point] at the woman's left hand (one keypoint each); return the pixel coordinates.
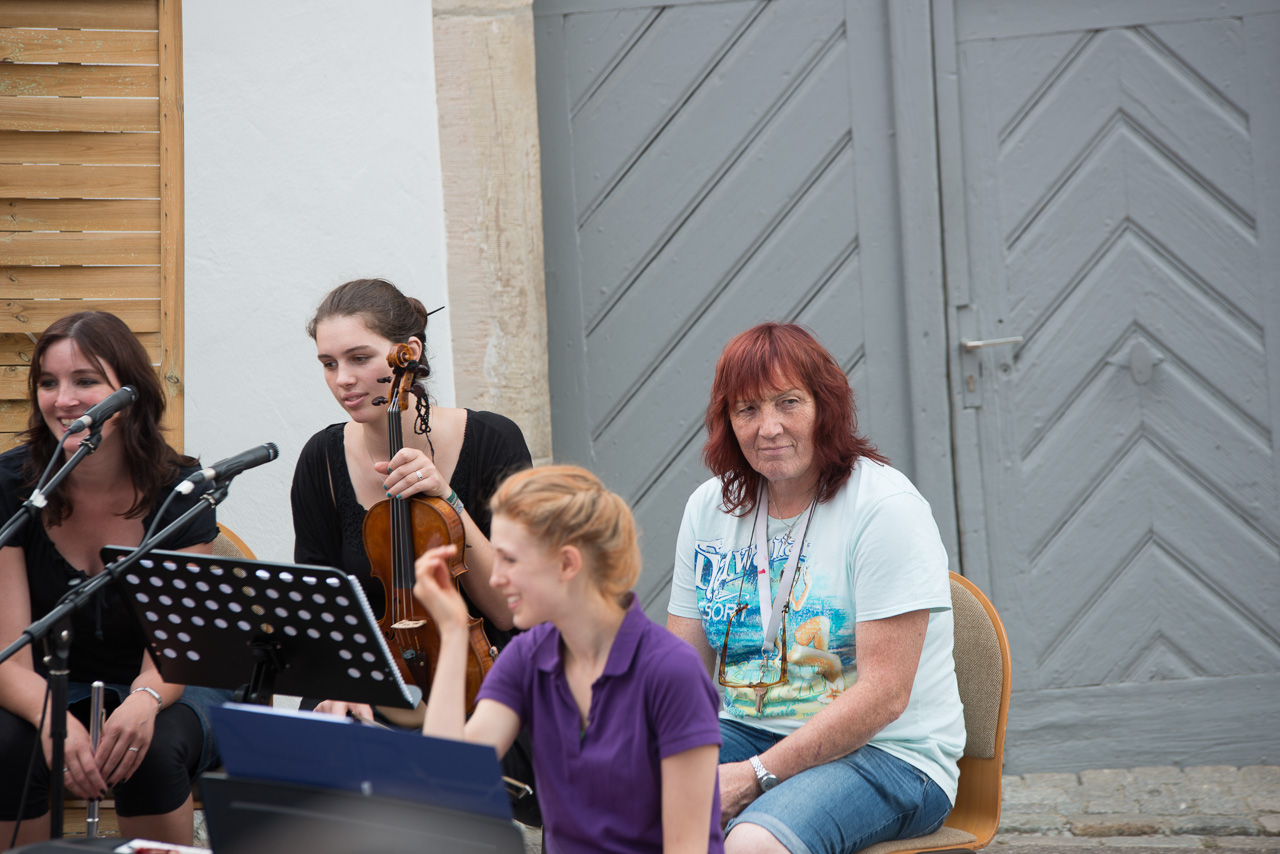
(412, 472)
(738, 788)
(126, 736)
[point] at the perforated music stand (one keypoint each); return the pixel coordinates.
(300, 630)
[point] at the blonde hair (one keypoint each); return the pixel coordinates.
(568, 505)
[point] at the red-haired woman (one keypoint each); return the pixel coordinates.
(816, 573)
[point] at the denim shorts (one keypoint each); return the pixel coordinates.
(841, 806)
(198, 699)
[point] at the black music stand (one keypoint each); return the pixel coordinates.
(300, 630)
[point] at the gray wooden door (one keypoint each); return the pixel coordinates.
(1111, 177)
(707, 166)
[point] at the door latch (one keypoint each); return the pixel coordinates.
(970, 358)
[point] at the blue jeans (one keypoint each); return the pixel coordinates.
(842, 806)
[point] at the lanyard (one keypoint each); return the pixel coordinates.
(762, 565)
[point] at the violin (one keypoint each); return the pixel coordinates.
(396, 531)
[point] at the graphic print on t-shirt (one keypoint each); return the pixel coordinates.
(819, 638)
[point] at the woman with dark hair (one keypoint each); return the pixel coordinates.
(459, 455)
(155, 740)
(816, 575)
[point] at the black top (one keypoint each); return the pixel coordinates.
(107, 642)
(328, 519)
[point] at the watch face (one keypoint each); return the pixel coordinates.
(767, 782)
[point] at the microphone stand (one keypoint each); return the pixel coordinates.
(33, 505)
(58, 624)
(57, 656)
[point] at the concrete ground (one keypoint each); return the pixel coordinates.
(1162, 808)
(1132, 811)
(1135, 811)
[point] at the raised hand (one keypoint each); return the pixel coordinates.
(436, 591)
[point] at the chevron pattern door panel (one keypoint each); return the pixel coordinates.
(1122, 176)
(700, 176)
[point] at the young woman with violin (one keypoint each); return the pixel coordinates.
(456, 455)
(623, 714)
(155, 739)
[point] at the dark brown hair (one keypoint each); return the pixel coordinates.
(754, 362)
(105, 340)
(384, 309)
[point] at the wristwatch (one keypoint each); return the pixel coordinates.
(763, 774)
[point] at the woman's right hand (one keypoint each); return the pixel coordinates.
(341, 709)
(83, 778)
(437, 592)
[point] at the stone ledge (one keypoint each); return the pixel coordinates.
(1256, 775)
(1134, 844)
(1162, 843)
(1243, 843)
(1160, 825)
(1041, 840)
(1031, 822)
(1117, 824)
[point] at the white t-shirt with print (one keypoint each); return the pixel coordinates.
(872, 551)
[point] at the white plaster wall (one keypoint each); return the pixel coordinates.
(312, 157)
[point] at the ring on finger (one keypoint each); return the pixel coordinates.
(420, 477)
(133, 750)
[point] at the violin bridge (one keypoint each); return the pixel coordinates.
(410, 624)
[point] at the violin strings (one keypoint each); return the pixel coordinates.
(402, 557)
(397, 522)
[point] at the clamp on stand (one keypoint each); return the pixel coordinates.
(267, 662)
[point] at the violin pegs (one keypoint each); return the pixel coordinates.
(379, 401)
(386, 379)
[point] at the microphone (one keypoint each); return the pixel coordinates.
(230, 467)
(104, 409)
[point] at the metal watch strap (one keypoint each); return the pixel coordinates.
(766, 777)
(153, 692)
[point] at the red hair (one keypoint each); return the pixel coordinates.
(763, 358)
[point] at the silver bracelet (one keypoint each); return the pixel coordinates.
(152, 691)
(455, 502)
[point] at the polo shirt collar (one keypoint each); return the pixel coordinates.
(548, 657)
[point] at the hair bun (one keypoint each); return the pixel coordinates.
(384, 309)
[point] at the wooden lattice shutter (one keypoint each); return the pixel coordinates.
(90, 180)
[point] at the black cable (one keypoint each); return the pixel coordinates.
(155, 523)
(48, 469)
(31, 767)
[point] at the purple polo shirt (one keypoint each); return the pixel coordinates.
(601, 791)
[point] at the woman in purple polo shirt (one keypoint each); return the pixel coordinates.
(622, 714)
